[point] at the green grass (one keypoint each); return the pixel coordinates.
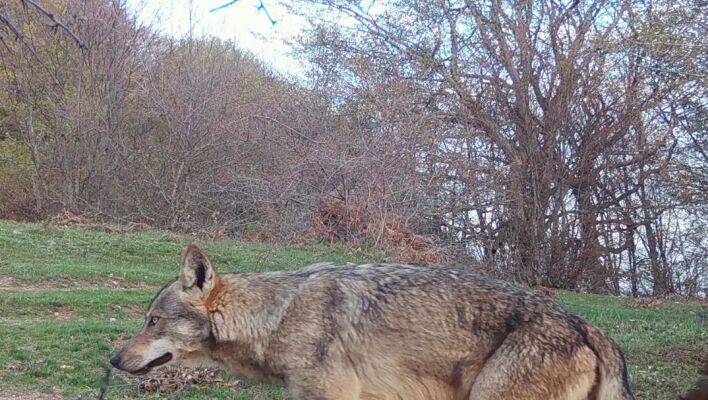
(70, 296)
(665, 348)
(38, 254)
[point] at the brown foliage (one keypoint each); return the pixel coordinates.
(176, 379)
(352, 222)
(646, 302)
(546, 291)
(68, 218)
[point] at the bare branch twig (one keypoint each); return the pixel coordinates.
(261, 7)
(6, 22)
(57, 23)
(229, 4)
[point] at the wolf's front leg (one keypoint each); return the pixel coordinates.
(300, 393)
(323, 387)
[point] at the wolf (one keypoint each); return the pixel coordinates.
(375, 332)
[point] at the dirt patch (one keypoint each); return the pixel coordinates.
(12, 394)
(14, 366)
(119, 284)
(692, 355)
(7, 283)
(132, 311)
(61, 313)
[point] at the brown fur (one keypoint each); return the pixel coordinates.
(378, 332)
(701, 390)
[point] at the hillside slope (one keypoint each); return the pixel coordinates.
(71, 295)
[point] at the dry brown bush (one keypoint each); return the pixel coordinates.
(68, 218)
(350, 221)
(646, 302)
(17, 201)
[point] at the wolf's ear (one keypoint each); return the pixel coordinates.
(196, 270)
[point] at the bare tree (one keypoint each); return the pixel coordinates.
(551, 106)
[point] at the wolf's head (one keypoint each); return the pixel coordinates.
(177, 326)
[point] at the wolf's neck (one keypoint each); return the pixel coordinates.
(251, 309)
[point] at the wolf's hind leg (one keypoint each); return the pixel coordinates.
(531, 366)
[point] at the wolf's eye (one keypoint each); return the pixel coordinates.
(153, 321)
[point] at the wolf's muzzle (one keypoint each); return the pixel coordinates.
(163, 359)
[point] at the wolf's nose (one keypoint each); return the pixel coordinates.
(115, 360)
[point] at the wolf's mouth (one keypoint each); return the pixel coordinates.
(163, 359)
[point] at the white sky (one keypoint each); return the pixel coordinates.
(241, 22)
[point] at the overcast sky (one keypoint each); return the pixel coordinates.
(241, 22)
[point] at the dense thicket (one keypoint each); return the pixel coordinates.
(189, 134)
(555, 143)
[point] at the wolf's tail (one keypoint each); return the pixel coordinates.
(613, 383)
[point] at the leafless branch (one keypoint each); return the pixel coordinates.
(56, 23)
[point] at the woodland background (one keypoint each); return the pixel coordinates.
(554, 143)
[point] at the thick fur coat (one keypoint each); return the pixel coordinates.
(377, 331)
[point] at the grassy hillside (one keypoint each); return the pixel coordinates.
(70, 296)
